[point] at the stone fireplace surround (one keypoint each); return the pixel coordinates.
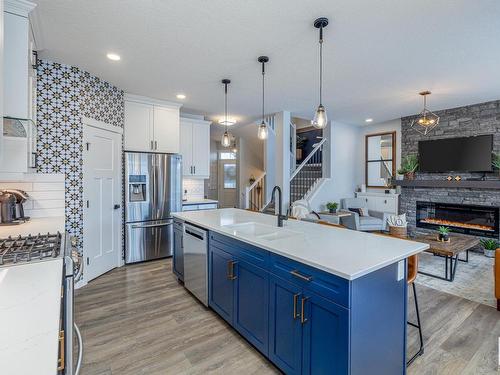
(477, 119)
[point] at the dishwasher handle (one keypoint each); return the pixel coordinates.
(195, 232)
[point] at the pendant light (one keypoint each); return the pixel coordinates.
(262, 131)
(320, 118)
(425, 120)
(226, 139)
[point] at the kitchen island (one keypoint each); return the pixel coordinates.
(313, 299)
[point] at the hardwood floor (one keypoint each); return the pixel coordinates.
(139, 320)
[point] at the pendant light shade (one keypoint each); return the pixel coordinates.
(320, 119)
(425, 120)
(262, 132)
(226, 138)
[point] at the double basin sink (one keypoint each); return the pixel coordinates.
(261, 231)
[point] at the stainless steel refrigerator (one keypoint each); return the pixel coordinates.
(153, 190)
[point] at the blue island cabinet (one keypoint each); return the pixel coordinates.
(307, 321)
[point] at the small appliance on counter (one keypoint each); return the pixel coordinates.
(11, 206)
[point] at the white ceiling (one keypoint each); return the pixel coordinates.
(378, 54)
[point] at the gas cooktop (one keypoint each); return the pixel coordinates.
(23, 249)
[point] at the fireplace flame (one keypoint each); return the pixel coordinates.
(457, 224)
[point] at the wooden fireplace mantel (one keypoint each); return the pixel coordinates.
(467, 184)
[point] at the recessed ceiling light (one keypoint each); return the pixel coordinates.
(227, 122)
(181, 96)
(113, 56)
(369, 120)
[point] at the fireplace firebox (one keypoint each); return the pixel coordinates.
(461, 218)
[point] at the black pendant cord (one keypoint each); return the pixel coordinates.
(321, 66)
(263, 74)
(225, 106)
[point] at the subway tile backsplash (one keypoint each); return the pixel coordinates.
(195, 188)
(46, 193)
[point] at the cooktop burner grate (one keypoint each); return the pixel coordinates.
(25, 249)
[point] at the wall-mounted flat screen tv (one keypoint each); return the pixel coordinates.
(467, 154)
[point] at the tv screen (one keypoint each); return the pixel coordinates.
(468, 154)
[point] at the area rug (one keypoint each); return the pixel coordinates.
(473, 280)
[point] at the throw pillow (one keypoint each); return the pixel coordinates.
(359, 211)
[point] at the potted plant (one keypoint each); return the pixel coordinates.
(495, 161)
(489, 245)
(409, 166)
(444, 234)
(332, 207)
(300, 142)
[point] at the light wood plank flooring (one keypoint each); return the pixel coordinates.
(139, 320)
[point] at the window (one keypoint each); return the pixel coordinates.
(230, 176)
(225, 155)
(380, 151)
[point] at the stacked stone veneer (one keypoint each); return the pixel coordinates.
(477, 119)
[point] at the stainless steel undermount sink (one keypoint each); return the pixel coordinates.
(262, 231)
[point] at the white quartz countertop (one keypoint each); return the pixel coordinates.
(34, 226)
(342, 252)
(30, 299)
(199, 201)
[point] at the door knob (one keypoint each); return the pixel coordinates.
(116, 206)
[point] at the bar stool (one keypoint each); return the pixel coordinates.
(412, 275)
(410, 279)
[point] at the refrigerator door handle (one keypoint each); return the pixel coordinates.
(151, 225)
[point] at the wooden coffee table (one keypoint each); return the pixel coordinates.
(449, 251)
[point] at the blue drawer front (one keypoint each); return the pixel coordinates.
(325, 284)
(241, 250)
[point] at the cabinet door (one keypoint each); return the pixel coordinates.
(201, 149)
(387, 204)
(325, 336)
(15, 65)
(178, 256)
(166, 129)
(138, 131)
(221, 284)
(186, 147)
(252, 304)
(285, 329)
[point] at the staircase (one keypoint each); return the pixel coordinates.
(307, 174)
(255, 198)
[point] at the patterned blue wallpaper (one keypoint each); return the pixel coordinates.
(65, 94)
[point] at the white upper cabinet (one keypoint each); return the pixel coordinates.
(16, 59)
(138, 130)
(195, 148)
(186, 147)
(151, 125)
(166, 129)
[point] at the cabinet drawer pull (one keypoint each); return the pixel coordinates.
(230, 270)
(156, 145)
(303, 319)
(295, 301)
(152, 145)
(296, 273)
(61, 360)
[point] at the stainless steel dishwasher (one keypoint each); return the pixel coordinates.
(196, 262)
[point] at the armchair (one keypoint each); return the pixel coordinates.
(375, 221)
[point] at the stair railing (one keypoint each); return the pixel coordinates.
(307, 173)
(255, 194)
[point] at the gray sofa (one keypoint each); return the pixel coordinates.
(375, 221)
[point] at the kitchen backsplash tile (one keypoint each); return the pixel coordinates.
(46, 198)
(195, 188)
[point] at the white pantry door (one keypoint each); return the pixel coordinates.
(102, 201)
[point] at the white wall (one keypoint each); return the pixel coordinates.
(388, 126)
(342, 147)
(251, 163)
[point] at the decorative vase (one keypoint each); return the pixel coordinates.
(443, 237)
(410, 175)
(489, 253)
(332, 210)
